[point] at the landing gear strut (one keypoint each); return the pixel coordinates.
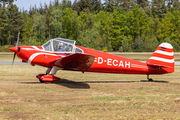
(149, 79)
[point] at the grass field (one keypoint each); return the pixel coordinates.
(87, 96)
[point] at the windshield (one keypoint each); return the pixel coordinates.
(66, 40)
(61, 45)
(47, 46)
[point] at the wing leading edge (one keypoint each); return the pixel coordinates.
(77, 61)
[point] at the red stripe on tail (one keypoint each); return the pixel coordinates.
(163, 56)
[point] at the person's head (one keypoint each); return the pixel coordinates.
(60, 44)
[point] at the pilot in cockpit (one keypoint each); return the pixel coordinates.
(60, 47)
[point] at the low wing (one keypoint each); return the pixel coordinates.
(77, 61)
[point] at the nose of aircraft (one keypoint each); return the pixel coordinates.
(14, 49)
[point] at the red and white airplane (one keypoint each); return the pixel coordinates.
(63, 54)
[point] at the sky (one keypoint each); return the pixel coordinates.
(27, 3)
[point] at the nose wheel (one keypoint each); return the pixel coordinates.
(149, 79)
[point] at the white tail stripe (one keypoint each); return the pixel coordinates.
(164, 53)
(162, 59)
(166, 45)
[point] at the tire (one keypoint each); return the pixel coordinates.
(41, 81)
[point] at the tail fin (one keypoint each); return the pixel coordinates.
(163, 57)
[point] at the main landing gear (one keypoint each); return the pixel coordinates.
(49, 76)
(149, 79)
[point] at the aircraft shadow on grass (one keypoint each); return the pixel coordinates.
(158, 81)
(161, 81)
(72, 84)
(65, 83)
(85, 85)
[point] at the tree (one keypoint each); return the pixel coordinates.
(166, 27)
(86, 23)
(41, 9)
(109, 5)
(56, 21)
(82, 5)
(25, 16)
(66, 4)
(125, 45)
(176, 4)
(3, 21)
(6, 2)
(105, 21)
(142, 3)
(38, 29)
(156, 25)
(159, 8)
(48, 21)
(26, 35)
(67, 22)
(118, 28)
(3, 24)
(91, 38)
(138, 22)
(15, 21)
(32, 11)
(94, 6)
(126, 5)
(56, 3)
(76, 25)
(170, 27)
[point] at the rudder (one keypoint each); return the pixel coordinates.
(163, 57)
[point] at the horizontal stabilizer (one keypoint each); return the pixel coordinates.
(155, 65)
(77, 61)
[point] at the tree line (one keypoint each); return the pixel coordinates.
(109, 25)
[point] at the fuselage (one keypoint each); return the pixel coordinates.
(103, 62)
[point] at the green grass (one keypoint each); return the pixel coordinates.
(87, 96)
(8, 56)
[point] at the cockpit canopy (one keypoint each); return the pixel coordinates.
(61, 45)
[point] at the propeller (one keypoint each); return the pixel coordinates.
(16, 48)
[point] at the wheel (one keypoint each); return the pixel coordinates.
(41, 81)
(150, 80)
